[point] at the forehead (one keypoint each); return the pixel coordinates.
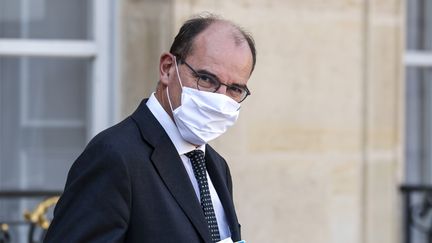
(217, 50)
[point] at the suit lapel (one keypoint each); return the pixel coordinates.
(173, 173)
(170, 167)
(220, 184)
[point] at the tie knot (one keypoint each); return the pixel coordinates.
(195, 154)
(198, 161)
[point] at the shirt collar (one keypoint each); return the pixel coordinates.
(181, 145)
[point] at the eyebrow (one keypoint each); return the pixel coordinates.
(203, 71)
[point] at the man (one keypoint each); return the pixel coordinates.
(152, 177)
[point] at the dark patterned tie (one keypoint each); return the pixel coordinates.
(199, 168)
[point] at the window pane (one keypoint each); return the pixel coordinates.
(418, 108)
(419, 25)
(45, 19)
(43, 120)
(43, 104)
(419, 125)
(53, 84)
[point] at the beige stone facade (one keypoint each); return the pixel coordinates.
(316, 155)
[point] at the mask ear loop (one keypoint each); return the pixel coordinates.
(181, 85)
(177, 71)
(169, 100)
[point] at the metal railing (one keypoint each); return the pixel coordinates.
(35, 219)
(417, 213)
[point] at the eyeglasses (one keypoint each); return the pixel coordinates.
(208, 82)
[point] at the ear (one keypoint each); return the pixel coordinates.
(165, 65)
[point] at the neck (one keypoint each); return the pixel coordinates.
(161, 96)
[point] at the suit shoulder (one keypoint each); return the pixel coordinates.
(210, 149)
(119, 131)
(121, 138)
(216, 156)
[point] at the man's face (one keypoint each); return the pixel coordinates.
(214, 53)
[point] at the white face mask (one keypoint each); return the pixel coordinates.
(203, 116)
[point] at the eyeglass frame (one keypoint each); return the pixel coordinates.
(245, 88)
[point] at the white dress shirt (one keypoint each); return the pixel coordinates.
(184, 147)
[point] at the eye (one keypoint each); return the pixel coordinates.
(236, 90)
(207, 80)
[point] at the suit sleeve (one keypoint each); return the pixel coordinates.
(229, 180)
(230, 189)
(96, 202)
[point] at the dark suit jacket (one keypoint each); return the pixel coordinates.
(130, 185)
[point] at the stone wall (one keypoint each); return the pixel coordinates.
(146, 30)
